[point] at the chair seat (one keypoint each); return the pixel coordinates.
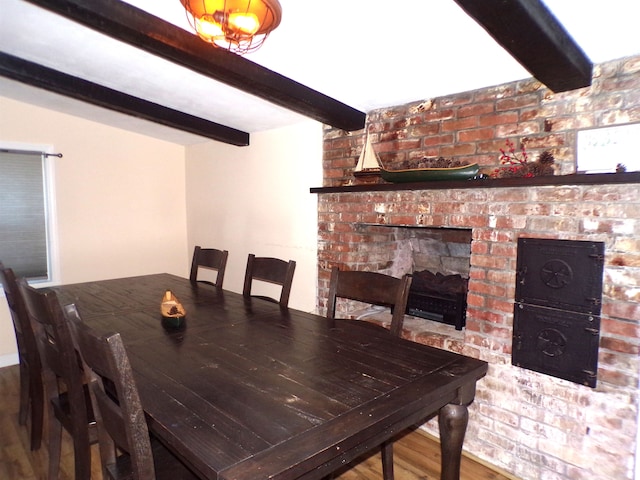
(263, 297)
(370, 325)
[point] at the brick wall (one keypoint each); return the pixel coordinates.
(473, 126)
(533, 425)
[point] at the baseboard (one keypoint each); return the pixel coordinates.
(9, 359)
(470, 456)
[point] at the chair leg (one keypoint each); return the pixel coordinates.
(24, 394)
(82, 456)
(387, 460)
(37, 413)
(55, 441)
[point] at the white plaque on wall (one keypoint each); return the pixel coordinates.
(601, 150)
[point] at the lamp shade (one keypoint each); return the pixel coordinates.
(237, 25)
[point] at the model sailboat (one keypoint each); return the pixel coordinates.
(368, 163)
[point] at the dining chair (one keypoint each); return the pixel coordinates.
(377, 289)
(126, 450)
(210, 258)
(31, 390)
(65, 391)
(372, 288)
(271, 270)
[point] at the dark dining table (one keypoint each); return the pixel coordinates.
(247, 390)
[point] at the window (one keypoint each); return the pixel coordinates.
(24, 245)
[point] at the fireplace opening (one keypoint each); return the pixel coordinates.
(437, 258)
(439, 297)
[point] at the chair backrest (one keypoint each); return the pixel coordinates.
(116, 402)
(25, 339)
(211, 258)
(370, 287)
(271, 270)
(60, 360)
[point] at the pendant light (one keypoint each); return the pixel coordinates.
(240, 26)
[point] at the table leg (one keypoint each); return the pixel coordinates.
(452, 422)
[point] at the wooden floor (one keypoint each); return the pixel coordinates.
(416, 456)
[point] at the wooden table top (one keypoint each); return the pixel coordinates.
(247, 390)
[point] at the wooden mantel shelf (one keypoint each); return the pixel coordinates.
(575, 179)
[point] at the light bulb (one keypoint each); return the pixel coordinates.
(208, 28)
(246, 23)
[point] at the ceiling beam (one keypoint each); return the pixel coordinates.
(136, 27)
(535, 38)
(43, 77)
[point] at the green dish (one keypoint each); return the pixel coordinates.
(173, 322)
(430, 174)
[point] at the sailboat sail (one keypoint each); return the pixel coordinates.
(368, 161)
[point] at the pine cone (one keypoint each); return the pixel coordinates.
(429, 162)
(546, 158)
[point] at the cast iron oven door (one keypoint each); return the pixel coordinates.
(556, 328)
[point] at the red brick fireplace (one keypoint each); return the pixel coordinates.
(530, 424)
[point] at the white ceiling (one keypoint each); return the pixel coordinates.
(360, 52)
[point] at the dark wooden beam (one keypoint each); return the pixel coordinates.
(534, 37)
(43, 77)
(138, 28)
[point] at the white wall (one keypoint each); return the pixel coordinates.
(120, 200)
(256, 200)
(128, 205)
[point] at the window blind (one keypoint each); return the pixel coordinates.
(23, 232)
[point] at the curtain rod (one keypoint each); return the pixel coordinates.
(31, 152)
